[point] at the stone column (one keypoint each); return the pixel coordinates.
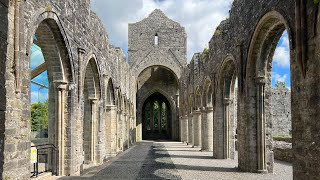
(190, 129)
(204, 129)
(124, 131)
(197, 128)
(185, 128)
(160, 117)
(226, 124)
(261, 135)
(93, 143)
(182, 129)
(60, 126)
(81, 53)
(210, 128)
(111, 130)
(119, 129)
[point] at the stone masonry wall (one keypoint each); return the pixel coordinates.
(281, 111)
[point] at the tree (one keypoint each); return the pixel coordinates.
(280, 84)
(39, 116)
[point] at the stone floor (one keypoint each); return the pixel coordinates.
(173, 160)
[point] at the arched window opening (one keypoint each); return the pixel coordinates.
(156, 39)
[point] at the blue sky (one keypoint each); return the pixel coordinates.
(281, 61)
(38, 93)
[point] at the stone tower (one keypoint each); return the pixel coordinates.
(157, 55)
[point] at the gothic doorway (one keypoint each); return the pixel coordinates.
(156, 118)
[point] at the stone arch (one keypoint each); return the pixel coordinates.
(166, 95)
(92, 77)
(48, 24)
(91, 118)
(48, 33)
(207, 99)
(161, 66)
(225, 123)
(110, 97)
(258, 88)
(198, 100)
(162, 97)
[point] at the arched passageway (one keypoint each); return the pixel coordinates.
(51, 71)
(156, 118)
(259, 89)
(157, 89)
(226, 111)
(91, 97)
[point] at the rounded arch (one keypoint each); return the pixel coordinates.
(154, 66)
(227, 75)
(198, 100)
(207, 100)
(263, 43)
(50, 26)
(110, 97)
(172, 104)
(92, 78)
(159, 124)
(265, 38)
(175, 67)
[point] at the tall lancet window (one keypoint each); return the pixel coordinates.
(156, 39)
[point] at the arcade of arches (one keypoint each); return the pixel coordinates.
(100, 104)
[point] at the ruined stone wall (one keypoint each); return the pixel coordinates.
(281, 111)
(80, 36)
(234, 38)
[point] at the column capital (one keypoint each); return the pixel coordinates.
(61, 85)
(227, 101)
(203, 109)
(209, 109)
(109, 107)
(196, 111)
(93, 100)
(261, 80)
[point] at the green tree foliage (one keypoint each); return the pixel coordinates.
(204, 54)
(39, 116)
(280, 84)
(316, 1)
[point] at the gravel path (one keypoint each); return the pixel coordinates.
(174, 160)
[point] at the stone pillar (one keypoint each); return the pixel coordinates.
(119, 129)
(81, 53)
(160, 117)
(190, 129)
(182, 139)
(60, 126)
(204, 129)
(261, 135)
(93, 143)
(197, 128)
(123, 130)
(209, 119)
(184, 126)
(111, 130)
(226, 124)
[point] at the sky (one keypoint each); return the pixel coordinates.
(199, 17)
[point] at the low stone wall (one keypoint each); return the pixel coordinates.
(282, 151)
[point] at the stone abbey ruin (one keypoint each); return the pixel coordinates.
(99, 104)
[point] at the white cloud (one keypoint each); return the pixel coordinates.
(282, 53)
(277, 77)
(199, 17)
